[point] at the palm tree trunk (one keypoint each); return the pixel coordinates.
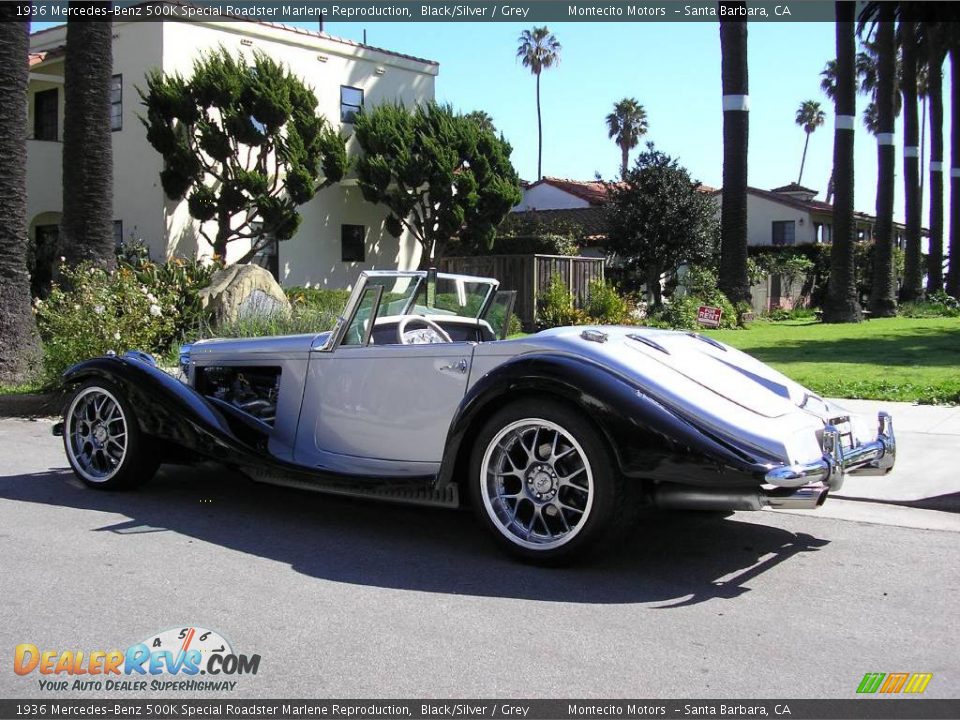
(912, 287)
(883, 291)
(953, 269)
(87, 223)
(539, 133)
(736, 134)
(841, 304)
(18, 339)
(935, 89)
(624, 160)
(803, 158)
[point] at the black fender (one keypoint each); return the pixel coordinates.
(171, 411)
(649, 439)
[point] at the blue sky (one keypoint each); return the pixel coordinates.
(673, 69)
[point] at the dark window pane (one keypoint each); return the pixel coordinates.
(353, 243)
(117, 233)
(351, 102)
(45, 111)
(784, 232)
(116, 102)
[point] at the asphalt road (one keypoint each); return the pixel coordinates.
(349, 599)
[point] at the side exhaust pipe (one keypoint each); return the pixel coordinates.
(685, 497)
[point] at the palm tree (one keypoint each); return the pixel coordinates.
(912, 287)
(828, 84)
(953, 266)
(627, 124)
(733, 280)
(935, 54)
(883, 292)
(841, 303)
(17, 328)
(539, 50)
(86, 227)
(809, 117)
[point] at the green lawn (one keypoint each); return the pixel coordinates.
(913, 360)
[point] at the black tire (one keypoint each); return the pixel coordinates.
(96, 420)
(572, 535)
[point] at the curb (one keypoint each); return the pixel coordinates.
(31, 405)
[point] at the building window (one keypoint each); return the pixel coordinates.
(351, 102)
(353, 243)
(116, 102)
(117, 233)
(784, 232)
(45, 115)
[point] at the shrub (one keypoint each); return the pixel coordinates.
(700, 283)
(102, 311)
(555, 306)
(608, 307)
(937, 304)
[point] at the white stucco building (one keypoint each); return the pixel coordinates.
(341, 233)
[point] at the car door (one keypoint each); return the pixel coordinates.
(381, 409)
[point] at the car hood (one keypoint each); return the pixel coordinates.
(240, 348)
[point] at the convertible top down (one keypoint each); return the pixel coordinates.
(416, 396)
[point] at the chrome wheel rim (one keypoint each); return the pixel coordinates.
(537, 484)
(96, 434)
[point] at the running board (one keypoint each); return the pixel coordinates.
(446, 496)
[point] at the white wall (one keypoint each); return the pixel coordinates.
(548, 197)
(313, 256)
(762, 213)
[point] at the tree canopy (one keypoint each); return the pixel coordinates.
(658, 218)
(242, 141)
(442, 176)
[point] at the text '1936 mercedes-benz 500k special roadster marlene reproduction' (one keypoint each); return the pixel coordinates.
(416, 396)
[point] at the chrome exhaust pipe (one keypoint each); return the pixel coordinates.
(684, 497)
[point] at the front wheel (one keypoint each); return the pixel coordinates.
(103, 442)
(543, 480)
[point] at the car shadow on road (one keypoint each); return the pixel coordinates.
(674, 559)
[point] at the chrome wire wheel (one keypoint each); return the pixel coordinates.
(537, 484)
(96, 434)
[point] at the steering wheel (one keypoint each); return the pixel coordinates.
(407, 319)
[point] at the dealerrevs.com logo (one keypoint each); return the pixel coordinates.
(168, 661)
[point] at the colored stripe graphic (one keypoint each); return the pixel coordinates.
(894, 682)
(918, 682)
(871, 682)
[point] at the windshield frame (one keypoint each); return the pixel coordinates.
(335, 337)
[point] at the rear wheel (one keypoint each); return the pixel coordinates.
(543, 481)
(102, 439)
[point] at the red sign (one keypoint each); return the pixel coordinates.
(709, 316)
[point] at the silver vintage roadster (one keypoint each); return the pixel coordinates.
(417, 396)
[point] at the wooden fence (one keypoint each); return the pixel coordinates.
(530, 275)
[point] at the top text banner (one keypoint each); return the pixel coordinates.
(532, 11)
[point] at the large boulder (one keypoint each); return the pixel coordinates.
(240, 291)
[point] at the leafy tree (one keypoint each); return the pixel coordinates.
(626, 125)
(243, 143)
(809, 117)
(658, 219)
(538, 50)
(17, 328)
(732, 275)
(841, 303)
(442, 176)
(86, 227)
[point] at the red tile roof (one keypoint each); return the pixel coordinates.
(594, 191)
(793, 187)
(35, 58)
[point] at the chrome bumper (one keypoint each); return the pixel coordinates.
(871, 458)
